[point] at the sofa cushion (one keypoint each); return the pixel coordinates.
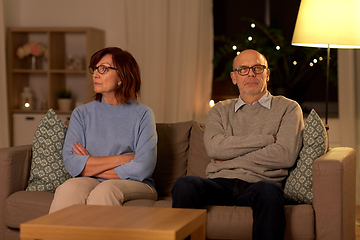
(198, 158)
(23, 206)
(234, 222)
(47, 167)
(172, 154)
(298, 186)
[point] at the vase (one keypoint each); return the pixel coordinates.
(35, 63)
(64, 104)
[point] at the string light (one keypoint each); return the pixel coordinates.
(252, 25)
(250, 38)
(211, 103)
(295, 63)
(321, 58)
(238, 52)
(234, 47)
(278, 48)
(311, 64)
(315, 60)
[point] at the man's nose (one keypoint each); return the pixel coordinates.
(251, 72)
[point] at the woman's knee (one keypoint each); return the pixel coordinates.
(77, 186)
(72, 191)
(116, 192)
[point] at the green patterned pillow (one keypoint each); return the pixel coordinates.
(298, 186)
(47, 167)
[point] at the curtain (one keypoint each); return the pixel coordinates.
(349, 104)
(4, 125)
(172, 40)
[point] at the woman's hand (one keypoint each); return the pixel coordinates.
(80, 150)
(218, 160)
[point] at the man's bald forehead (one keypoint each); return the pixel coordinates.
(247, 51)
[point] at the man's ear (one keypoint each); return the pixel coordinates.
(232, 75)
(268, 75)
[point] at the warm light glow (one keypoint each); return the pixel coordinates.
(252, 25)
(322, 22)
(27, 105)
(234, 47)
(238, 52)
(278, 48)
(315, 61)
(250, 38)
(295, 63)
(321, 58)
(311, 64)
(211, 103)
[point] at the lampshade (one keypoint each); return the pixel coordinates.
(328, 22)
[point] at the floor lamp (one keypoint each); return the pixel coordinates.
(328, 24)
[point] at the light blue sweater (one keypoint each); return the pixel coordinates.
(105, 129)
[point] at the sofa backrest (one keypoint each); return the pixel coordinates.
(180, 151)
(172, 154)
(197, 158)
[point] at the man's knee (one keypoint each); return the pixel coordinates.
(185, 184)
(269, 191)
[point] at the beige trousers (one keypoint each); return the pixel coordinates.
(85, 190)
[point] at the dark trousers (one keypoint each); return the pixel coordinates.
(264, 197)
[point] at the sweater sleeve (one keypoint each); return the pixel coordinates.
(284, 152)
(74, 164)
(224, 146)
(144, 162)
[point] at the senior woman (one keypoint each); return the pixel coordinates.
(110, 146)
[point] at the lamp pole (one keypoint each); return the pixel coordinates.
(327, 86)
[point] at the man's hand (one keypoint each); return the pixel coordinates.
(80, 150)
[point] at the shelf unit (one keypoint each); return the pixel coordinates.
(54, 75)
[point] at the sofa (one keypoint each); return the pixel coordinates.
(181, 152)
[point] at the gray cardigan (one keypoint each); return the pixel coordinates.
(245, 139)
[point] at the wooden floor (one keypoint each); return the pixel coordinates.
(357, 217)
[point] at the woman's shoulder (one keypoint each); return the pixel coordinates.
(139, 106)
(85, 108)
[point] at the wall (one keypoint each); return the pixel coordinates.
(349, 105)
(108, 15)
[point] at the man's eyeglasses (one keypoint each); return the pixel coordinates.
(101, 69)
(257, 69)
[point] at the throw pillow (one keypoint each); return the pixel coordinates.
(47, 167)
(298, 186)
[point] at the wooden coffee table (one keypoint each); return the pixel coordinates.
(117, 222)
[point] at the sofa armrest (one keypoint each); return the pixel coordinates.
(15, 163)
(334, 180)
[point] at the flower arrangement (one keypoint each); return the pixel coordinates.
(31, 49)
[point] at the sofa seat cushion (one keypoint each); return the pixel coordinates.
(225, 222)
(24, 206)
(163, 201)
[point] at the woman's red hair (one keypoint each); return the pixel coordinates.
(127, 70)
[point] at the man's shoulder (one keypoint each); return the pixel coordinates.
(281, 100)
(226, 103)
